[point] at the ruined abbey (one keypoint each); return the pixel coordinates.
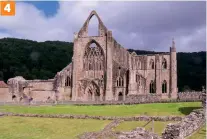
(103, 70)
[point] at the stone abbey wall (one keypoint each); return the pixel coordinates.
(109, 72)
(105, 71)
(21, 90)
(186, 127)
(42, 90)
(195, 95)
(4, 95)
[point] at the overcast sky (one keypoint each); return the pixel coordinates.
(137, 25)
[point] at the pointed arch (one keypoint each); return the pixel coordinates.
(92, 91)
(94, 44)
(101, 27)
(93, 56)
(93, 26)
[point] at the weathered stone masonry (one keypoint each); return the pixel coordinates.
(102, 70)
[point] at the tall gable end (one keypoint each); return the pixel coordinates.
(102, 30)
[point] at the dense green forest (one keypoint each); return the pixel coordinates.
(42, 60)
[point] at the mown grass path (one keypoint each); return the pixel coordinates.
(155, 109)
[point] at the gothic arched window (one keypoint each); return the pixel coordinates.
(152, 87)
(164, 87)
(164, 63)
(68, 81)
(94, 57)
(120, 82)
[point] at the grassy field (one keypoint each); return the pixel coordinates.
(46, 128)
(154, 109)
(201, 134)
(130, 125)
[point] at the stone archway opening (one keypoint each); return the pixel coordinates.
(90, 95)
(13, 97)
(92, 92)
(120, 96)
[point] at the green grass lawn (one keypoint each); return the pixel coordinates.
(46, 128)
(154, 109)
(201, 134)
(130, 125)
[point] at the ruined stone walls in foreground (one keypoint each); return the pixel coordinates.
(22, 90)
(186, 127)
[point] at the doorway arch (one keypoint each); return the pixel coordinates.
(120, 96)
(92, 92)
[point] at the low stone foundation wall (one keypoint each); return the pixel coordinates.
(190, 95)
(186, 127)
(143, 98)
(68, 116)
(138, 133)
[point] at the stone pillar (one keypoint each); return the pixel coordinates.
(132, 75)
(158, 75)
(173, 71)
(109, 67)
(75, 61)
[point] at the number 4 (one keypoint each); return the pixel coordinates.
(7, 8)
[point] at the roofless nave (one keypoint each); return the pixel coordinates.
(104, 72)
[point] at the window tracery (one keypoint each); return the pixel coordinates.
(93, 58)
(119, 82)
(68, 81)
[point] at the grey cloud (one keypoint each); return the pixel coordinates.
(156, 23)
(137, 25)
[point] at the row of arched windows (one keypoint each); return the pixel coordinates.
(95, 66)
(152, 87)
(164, 64)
